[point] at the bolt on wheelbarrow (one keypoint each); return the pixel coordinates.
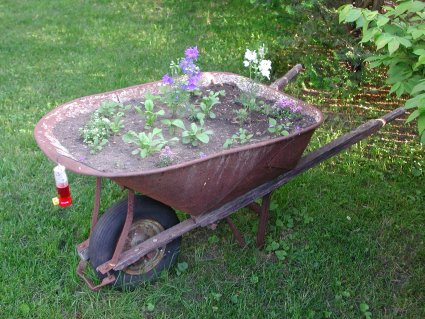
(138, 237)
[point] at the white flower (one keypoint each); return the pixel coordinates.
(265, 67)
(246, 63)
(251, 56)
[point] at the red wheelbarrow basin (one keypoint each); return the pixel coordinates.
(197, 186)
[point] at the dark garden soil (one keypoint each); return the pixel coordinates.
(117, 156)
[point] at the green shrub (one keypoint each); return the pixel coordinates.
(399, 37)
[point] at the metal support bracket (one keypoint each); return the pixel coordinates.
(104, 268)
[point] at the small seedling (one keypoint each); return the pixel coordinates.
(109, 108)
(149, 114)
(166, 157)
(181, 268)
(106, 120)
(147, 144)
(117, 123)
(173, 124)
(241, 137)
(364, 309)
(248, 100)
(277, 129)
(96, 133)
(196, 134)
(241, 115)
(208, 103)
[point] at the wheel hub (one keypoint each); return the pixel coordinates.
(140, 231)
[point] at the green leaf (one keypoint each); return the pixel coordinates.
(369, 15)
(418, 88)
(364, 307)
(353, 15)
(128, 137)
(183, 266)
(423, 138)
(150, 307)
(383, 40)
(382, 20)
(393, 45)
(402, 8)
(203, 137)
(156, 131)
(368, 35)
(166, 122)
(179, 123)
(415, 102)
(421, 60)
(404, 42)
(281, 254)
(412, 116)
(343, 12)
(419, 51)
(148, 105)
(416, 6)
(395, 87)
(254, 279)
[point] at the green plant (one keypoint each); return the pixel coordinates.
(117, 123)
(364, 309)
(166, 157)
(196, 134)
(149, 114)
(258, 68)
(241, 137)
(249, 98)
(110, 108)
(106, 120)
(96, 133)
(181, 268)
(399, 37)
(277, 129)
(177, 88)
(241, 115)
(147, 144)
(209, 101)
(173, 124)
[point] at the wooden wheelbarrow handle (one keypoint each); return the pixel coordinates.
(284, 80)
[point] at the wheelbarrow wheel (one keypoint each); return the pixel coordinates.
(150, 217)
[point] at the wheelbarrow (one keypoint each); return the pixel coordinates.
(139, 236)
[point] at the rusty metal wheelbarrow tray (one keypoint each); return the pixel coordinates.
(197, 186)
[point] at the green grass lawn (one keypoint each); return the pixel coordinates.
(349, 232)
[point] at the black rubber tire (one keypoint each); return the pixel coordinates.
(107, 230)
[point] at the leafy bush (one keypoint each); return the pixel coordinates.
(399, 37)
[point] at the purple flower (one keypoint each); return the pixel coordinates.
(192, 82)
(191, 53)
(188, 67)
(166, 152)
(284, 103)
(166, 79)
(202, 155)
